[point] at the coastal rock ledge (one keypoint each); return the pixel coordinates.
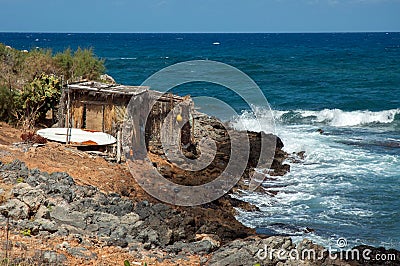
(81, 221)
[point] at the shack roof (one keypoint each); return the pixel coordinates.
(121, 90)
(104, 88)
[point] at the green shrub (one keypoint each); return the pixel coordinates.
(30, 81)
(85, 65)
(41, 95)
(38, 62)
(26, 232)
(6, 104)
(82, 64)
(11, 67)
(64, 62)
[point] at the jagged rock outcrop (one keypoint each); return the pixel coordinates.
(55, 204)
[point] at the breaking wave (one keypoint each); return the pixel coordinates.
(337, 117)
(260, 118)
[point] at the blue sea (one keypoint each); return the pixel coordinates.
(347, 84)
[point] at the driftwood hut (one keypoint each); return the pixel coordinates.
(102, 107)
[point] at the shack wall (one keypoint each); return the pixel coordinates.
(106, 112)
(99, 112)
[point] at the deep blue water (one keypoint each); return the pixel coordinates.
(346, 83)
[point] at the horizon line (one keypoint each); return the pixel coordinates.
(199, 32)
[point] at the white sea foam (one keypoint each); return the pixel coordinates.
(340, 118)
(260, 119)
(327, 184)
(121, 58)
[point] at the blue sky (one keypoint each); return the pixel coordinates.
(199, 15)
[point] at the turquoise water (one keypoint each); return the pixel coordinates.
(346, 83)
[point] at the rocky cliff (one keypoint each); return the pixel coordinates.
(99, 215)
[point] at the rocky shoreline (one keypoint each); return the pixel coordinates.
(50, 206)
(82, 222)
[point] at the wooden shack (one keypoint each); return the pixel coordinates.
(102, 107)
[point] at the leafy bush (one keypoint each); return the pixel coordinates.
(38, 62)
(33, 102)
(83, 64)
(6, 104)
(65, 61)
(86, 65)
(17, 68)
(30, 81)
(11, 66)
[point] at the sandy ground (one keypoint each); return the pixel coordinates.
(84, 168)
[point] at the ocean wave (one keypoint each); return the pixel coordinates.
(260, 119)
(121, 58)
(333, 179)
(337, 117)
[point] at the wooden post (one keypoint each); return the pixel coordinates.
(192, 136)
(7, 238)
(102, 122)
(68, 116)
(119, 148)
